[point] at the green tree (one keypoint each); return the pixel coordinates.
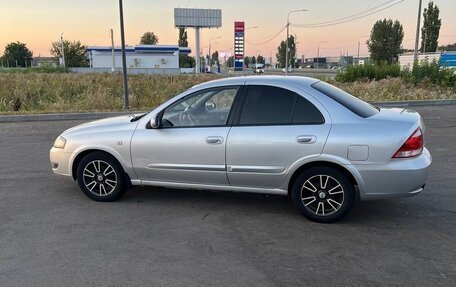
(230, 62)
(17, 53)
(449, 47)
(281, 56)
(385, 41)
(149, 38)
(260, 59)
(431, 28)
(183, 38)
(75, 53)
(214, 58)
(253, 61)
(185, 61)
(246, 61)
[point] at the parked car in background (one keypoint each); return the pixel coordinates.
(291, 136)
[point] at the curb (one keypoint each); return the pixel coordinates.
(61, 117)
(96, 116)
(419, 103)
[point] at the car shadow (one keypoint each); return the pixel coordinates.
(252, 203)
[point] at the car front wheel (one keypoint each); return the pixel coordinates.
(323, 194)
(101, 177)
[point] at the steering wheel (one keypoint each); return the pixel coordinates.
(186, 118)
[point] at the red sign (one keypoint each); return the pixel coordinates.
(239, 26)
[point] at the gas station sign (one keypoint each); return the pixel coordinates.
(239, 30)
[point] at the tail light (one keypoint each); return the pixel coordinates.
(412, 147)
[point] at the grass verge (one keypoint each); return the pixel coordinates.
(23, 93)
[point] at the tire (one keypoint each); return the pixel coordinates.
(323, 194)
(101, 177)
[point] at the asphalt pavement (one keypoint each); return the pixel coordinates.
(52, 235)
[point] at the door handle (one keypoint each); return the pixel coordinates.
(214, 140)
(306, 139)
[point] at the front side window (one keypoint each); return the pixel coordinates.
(201, 109)
(266, 105)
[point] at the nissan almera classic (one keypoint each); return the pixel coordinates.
(292, 136)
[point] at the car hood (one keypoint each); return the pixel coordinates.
(103, 125)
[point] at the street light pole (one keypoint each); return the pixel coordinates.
(415, 55)
(288, 35)
(210, 56)
(124, 57)
(359, 44)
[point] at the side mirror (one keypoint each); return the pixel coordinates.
(155, 122)
(210, 106)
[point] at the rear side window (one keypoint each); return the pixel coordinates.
(265, 105)
(306, 113)
(357, 106)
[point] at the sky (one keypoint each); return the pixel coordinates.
(38, 23)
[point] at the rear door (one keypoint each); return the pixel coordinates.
(273, 128)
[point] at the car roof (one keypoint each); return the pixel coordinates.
(259, 80)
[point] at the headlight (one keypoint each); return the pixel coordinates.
(60, 142)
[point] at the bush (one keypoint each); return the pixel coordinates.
(422, 73)
(369, 72)
(430, 72)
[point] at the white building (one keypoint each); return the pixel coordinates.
(140, 56)
(406, 60)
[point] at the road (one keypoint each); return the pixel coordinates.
(52, 235)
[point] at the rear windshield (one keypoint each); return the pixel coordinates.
(357, 106)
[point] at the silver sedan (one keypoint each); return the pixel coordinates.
(292, 136)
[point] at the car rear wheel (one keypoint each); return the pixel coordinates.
(101, 177)
(323, 194)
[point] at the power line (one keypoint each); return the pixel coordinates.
(348, 18)
(267, 41)
(334, 48)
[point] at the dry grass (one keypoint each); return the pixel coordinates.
(37, 92)
(395, 89)
(47, 93)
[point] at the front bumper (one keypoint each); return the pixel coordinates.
(60, 161)
(396, 178)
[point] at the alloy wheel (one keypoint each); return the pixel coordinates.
(99, 178)
(322, 195)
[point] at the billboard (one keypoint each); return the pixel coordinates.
(239, 30)
(203, 18)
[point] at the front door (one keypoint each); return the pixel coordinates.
(189, 147)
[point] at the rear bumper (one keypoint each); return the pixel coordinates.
(396, 178)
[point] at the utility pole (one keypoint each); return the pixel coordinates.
(318, 53)
(113, 69)
(417, 37)
(124, 57)
(63, 50)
